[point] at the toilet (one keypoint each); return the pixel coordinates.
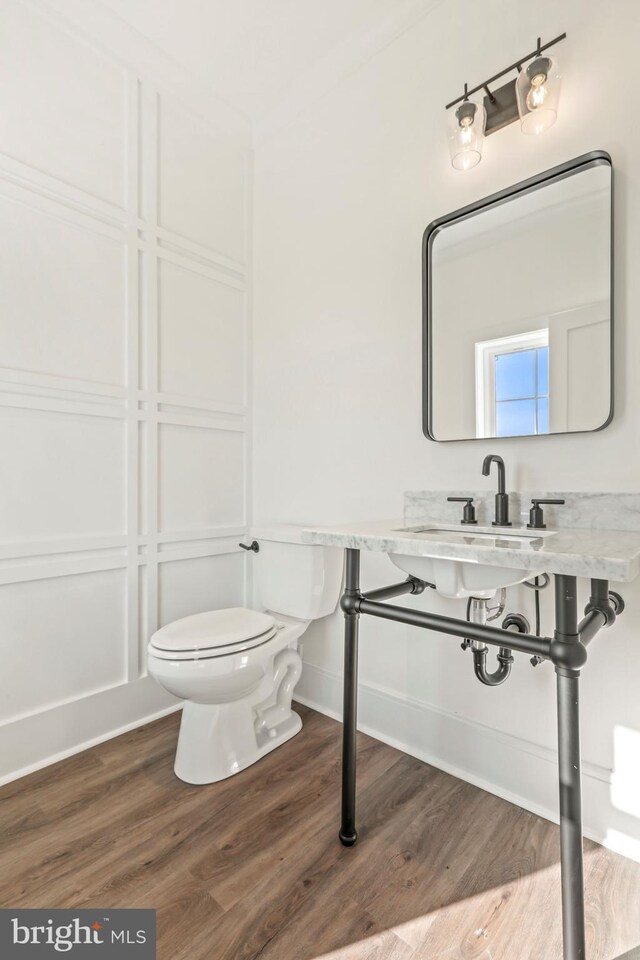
(236, 668)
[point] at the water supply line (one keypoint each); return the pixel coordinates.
(538, 584)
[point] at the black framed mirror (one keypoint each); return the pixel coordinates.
(518, 309)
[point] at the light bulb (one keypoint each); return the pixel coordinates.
(538, 93)
(466, 132)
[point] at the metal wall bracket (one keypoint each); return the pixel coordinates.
(501, 106)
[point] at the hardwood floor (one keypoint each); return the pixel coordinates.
(252, 868)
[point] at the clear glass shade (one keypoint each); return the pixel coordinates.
(538, 94)
(466, 134)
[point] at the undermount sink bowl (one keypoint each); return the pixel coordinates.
(468, 578)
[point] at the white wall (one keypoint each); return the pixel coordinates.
(123, 387)
(342, 196)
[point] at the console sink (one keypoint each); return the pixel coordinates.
(466, 560)
(453, 577)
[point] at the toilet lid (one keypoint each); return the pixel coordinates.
(214, 630)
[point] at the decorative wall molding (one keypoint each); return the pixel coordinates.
(93, 443)
(175, 247)
(54, 197)
(94, 23)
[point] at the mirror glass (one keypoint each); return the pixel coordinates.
(518, 310)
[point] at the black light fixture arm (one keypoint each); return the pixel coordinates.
(517, 65)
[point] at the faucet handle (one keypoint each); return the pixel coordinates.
(469, 512)
(536, 516)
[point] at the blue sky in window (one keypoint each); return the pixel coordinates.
(515, 418)
(515, 375)
(519, 396)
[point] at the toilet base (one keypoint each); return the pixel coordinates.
(217, 741)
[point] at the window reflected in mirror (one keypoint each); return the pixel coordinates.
(512, 384)
(519, 311)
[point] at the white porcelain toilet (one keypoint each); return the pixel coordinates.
(236, 668)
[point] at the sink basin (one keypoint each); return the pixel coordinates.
(503, 537)
(453, 577)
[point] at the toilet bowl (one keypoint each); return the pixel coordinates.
(236, 668)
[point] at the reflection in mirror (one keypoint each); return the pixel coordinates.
(518, 310)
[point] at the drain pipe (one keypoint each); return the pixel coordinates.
(505, 658)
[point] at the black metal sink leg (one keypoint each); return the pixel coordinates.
(568, 691)
(348, 834)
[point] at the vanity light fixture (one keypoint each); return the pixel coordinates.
(538, 93)
(532, 97)
(466, 134)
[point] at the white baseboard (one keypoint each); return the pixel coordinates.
(508, 766)
(29, 743)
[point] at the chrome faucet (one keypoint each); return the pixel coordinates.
(502, 497)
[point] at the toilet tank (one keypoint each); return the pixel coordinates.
(293, 578)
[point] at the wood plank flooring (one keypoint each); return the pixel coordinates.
(251, 867)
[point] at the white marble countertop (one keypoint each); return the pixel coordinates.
(600, 554)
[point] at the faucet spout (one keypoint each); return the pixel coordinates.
(502, 475)
(502, 497)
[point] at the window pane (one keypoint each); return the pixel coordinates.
(543, 415)
(543, 371)
(515, 418)
(515, 374)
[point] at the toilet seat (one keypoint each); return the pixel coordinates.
(216, 633)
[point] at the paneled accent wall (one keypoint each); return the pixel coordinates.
(124, 344)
